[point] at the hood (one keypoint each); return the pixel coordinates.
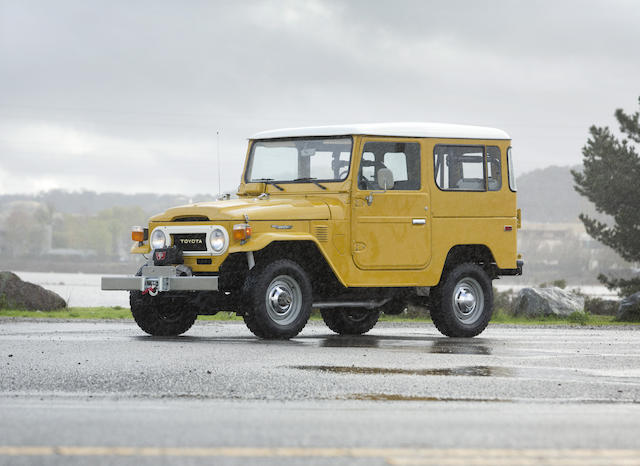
(274, 208)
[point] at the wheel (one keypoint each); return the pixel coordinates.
(161, 316)
(350, 321)
(276, 300)
(463, 301)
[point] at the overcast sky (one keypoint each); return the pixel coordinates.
(128, 95)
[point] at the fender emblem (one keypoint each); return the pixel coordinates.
(282, 227)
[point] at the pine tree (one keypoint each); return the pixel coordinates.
(611, 180)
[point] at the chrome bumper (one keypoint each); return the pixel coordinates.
(160, 278)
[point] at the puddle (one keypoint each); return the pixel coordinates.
(350, 342)
(538, 373)
(424, 344)
(564, 401)
(470, 371)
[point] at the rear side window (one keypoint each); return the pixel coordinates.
(459, 168)
(468, 168)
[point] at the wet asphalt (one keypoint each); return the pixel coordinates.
(402, 394)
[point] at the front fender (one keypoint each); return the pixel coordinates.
(262, 240)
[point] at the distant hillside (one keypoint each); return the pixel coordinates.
(90, 202)
(546, 195)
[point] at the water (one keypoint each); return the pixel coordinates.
(83, 289)
(78, 289)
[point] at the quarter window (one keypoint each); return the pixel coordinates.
(402, 158)
(464, 168)
(459, 168)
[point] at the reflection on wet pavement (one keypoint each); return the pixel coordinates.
(470, 371)
(428, 344)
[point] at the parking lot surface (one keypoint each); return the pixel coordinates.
(402, 394)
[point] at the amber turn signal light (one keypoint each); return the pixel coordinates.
(137, 234)
(241, 231)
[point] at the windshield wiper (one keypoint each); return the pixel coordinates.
(268, 181)
(312, 179)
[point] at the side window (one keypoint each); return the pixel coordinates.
(494, 168)
(459, 168)
(402, 158)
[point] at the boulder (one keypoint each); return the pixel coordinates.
(629, 308)
(16, 294)
(540, 302)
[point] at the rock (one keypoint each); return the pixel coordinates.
(540, 302)
(16, 294)
(629, 308)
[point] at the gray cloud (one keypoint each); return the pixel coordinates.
(99, 96)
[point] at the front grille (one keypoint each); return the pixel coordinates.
(190, 241)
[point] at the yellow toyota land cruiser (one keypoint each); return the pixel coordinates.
(351, 220)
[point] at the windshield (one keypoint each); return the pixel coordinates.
(299, 160)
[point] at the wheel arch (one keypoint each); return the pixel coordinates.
(304, 251)
(479, 254)
(307, 253)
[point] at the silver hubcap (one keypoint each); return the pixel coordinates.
(283, 300)
(468, 300)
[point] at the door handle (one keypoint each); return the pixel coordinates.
(419, 221)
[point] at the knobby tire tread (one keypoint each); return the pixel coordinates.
(442, 314)
(253, 299)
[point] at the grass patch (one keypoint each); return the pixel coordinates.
(401, 318)
(116, 312)
(575, 318)
(499, 317)
(221, 316)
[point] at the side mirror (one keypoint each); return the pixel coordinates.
(385, 178)
(385, 181)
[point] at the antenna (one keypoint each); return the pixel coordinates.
(218, 151)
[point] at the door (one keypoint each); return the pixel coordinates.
(390, 228)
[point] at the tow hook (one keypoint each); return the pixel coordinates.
(151, 291)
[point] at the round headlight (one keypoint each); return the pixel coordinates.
(218, 240)
(158, 239)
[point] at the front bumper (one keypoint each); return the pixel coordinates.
(160, 278)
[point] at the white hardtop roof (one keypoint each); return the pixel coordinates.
(408, 129)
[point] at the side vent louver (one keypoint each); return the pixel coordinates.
(322, 233)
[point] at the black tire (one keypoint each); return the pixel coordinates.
(276, 299)
(462, 303)
(394, 307)
(353, 321)
(160, 316)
